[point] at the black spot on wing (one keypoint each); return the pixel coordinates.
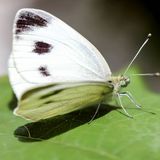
(27, 20)
(44, 71)
(42, 47)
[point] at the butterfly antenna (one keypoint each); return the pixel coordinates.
(147, 39)
(147, 74)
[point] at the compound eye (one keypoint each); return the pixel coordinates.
(127, 80)
(110, 81)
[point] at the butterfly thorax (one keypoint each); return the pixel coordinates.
(118, 82)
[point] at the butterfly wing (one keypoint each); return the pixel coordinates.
(46, 50)
(58, 99)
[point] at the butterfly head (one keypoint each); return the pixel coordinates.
(124, 81)
(119, 82)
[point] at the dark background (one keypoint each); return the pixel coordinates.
(116, 28)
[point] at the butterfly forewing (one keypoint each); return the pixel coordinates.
(46, 50)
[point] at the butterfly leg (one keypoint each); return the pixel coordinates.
(129, 95)
(98, 107)
(120, 103)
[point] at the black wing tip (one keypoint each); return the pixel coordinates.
(28, 18)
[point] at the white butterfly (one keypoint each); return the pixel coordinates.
(54, 70)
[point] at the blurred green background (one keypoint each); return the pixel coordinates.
(116, 28)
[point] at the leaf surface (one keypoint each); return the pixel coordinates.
(111, 136)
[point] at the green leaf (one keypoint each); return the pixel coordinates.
(111, 136)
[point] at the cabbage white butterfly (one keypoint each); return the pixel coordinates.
(54, 70)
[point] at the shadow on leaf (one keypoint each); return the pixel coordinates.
(45, 129)
(48, 128)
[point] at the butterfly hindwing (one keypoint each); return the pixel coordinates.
(58, 99)
(46, 50)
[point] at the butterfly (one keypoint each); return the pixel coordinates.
(54, 70)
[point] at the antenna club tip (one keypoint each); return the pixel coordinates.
(149, 35)
(157, 74)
